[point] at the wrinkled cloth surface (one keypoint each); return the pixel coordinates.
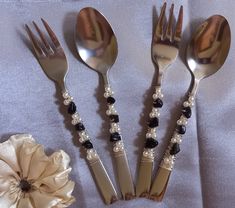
(203, 175)
(29, 178)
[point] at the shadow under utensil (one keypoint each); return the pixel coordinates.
(69, 28)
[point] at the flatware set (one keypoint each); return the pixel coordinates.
(97, 47)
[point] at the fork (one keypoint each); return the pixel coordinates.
(165, 48)
(53, 61)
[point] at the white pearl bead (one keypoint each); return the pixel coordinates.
(111, 130)
(179, 141)
(186, 104)
(153, 130)
(116, 149)
(108, 112)
(179, 122)
(145, 154)
(113, 111)
(90, 151)
(106, 94)
(166, 160)
(152, 115)
(154, 135)
(74, 121)
(89, 157)
(173, 140)
(191, 98)
(148, 135)
(65, 95)
(66, 102)
(155, 96)
(108, 88)
(82, 134)
(114, 125)
(158, 90)
(81, 140)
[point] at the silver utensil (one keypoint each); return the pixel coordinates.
(97, 46)
(53, 61)
(165, 48)
(206, 53)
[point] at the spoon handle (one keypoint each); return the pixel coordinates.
(101, 176)
(146, 164)
(122, 167)
(166, 166)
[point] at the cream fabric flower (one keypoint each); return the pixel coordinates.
(31, 179)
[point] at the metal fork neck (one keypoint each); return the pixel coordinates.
(194, 87)
(105, 78)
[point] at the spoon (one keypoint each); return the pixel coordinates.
(97, 46)
(206, 53)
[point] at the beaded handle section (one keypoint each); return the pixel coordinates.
(146, 166)
(174, 145)
(115, 130)
(100, 174)
(161, 180)
(151, 136)
(122, 167)
(84, 138)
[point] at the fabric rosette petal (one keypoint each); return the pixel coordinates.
(31, 179)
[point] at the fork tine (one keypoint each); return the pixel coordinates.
(51, 34)
(169, 30)
(42, 36)
(178, 30)
(159, 27)
(38, 50)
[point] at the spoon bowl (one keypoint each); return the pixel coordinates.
(95, 40)
(209, 47)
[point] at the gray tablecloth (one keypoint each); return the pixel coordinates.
(205, 168)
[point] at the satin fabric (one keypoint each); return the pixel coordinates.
(22, 158)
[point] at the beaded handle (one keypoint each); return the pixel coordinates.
(147, 160)
(151, 136)
(101, 176)
(84, 138)
(174, 145)
(115, 130)
(122, 167)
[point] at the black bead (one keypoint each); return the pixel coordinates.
(187, 112)
(110, 100)
(153, 122)
(151, 143)
(80, 127)
(181, 129)
(158, 103)
(72, 108)
(114, 137)
(24, 185)
(175, 149)
(87, 144)
(114, 118)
